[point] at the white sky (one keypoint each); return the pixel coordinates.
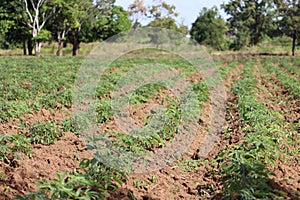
(188, 9)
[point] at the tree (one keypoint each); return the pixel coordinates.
(87, 13)
(289, 12)
(20, 34)
(6, 22)
(12, 29)
(118, 22)
(81, 12)
(35, 17)
(111, 23)
(136, 12)
(164, 15)
(209, 28)
(160, 9)
(61, 22)
(249, 20)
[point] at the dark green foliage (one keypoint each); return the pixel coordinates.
(12, 29)
(111, 23)
(74, 21)
(209, 29)
(248, 21)
(163, 15)
(289, 20)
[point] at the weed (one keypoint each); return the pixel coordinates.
(131, 196)
(205, 191)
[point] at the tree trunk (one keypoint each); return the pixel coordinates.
(75, 46)
(24, 47)
(256, 38)
(294, 43)
(29, 46)
(75, 41)
(59, 48)
(38, 47)
(60, 39)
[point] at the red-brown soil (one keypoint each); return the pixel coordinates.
(21, 176)
(272, 93)
(171, 182)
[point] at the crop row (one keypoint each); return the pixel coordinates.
(289, 82)
(226, 69)
(245, 167)
(159, 135)
(93, 180)
(27, 86)
(44, 133)
(292, 65)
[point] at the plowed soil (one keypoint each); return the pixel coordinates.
(22, 175)
(181, 179)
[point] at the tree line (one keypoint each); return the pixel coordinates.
(32, 22)
(249, 21)
(29, 23)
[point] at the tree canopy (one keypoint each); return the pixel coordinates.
(248, 20)
(30, 23)
(164, 15)
(34, 22)
(209, 28)
(289, 19)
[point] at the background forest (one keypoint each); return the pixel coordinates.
(27, 24)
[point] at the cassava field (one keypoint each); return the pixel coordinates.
(42, 155)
